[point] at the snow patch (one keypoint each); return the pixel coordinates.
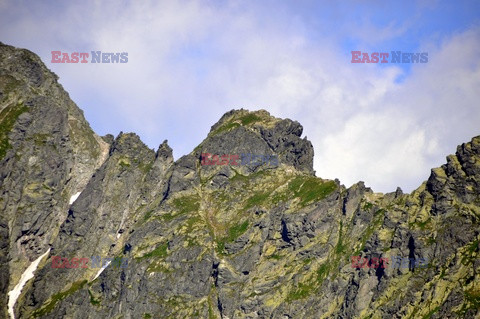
(26, 276)
(74, 198)
(101, 270)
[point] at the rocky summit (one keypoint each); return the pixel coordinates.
(105, 227)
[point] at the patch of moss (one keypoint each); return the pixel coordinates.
(306, 261)
(8, 117)
(93, 301)
(147, 215)
(145, 167)
(442, 273)
(186, 204)
(182, 205)
(239, 178)
(367, 206)
(155, 267)
(191, 242)
(472, 301)
(210, 306)
(147, 316)
(275, 257)
(234, 123)
(124, 163)
(248, 179)
(191, 222)
(310, 189)
(161, 251)
(423, 225)
(58, 297)
(340, 248)
(278, 197)
(322, 272)
(189, 227)
(237, 230)
(224, 128)
(257, 199)
(168, 217)
(249, 119)
(47, 187)
(233, 233)
(302, 291)
(471, 249)
(431, 241)
(221, 246)
(430, 314)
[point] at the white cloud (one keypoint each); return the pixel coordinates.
(415, 124)
(380, 148)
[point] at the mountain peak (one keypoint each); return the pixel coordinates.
(258, 133)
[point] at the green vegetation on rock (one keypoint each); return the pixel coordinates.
(300, 292)
(233, 233)
(224, 128)
(186, 204)
(58, 297)
(249, 119)
(243, 119)
(309, 189)
(93, 300)
(161, 251)
(340, 248)
(8, 117)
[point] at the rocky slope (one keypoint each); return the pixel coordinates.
(216, 241)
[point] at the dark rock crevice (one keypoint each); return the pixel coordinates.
(285, 233)
(411, 254)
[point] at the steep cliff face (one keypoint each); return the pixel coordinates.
(187, 240)
(48, 153)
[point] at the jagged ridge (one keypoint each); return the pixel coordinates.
(218, 241)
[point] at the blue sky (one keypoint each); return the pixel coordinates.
(192, 61)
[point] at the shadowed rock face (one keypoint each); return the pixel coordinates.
(48, 153)
(217, 241)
